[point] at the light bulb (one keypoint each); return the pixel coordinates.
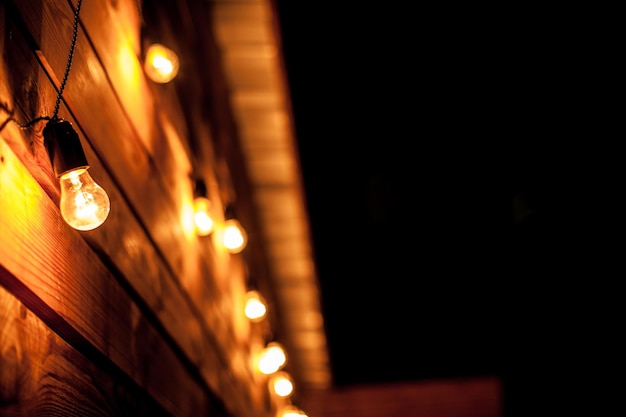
(272, 358)
(161, 63)
(84, 204)
(235, 237)
(255, 306)
(281, 384)
(202, 216)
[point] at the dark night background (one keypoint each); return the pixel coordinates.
(452, 194)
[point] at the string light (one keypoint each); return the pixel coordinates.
(272, 358)
(161, 64)
(235, 237)
(202, 210)
(256, 308)
(84, 204)
(281, 384)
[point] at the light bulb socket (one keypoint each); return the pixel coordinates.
(229, 212)
(64, 147)
(200, 189)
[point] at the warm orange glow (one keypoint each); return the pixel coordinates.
(161, 64)
(256, 308)
(272, 358)
(132, 89)
(202, 216)
(129, 68)
(22, 205)
(84, 204)
(187, 211)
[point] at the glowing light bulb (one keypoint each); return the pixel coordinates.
(282, 385)
(202, 216)
(235, 237)
(161, 63)
(255, 306)
(272, 358)
(292, 412)
(84, 204)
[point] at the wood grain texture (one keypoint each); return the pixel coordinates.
(41, 375)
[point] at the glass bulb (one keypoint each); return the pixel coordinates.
(161, 63)
(84, 204)
(255, 306)
(202, 216)
(282, 385)
(235, 237)
(272, 358)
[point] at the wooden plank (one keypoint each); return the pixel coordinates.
(114, 32)
(42, 375)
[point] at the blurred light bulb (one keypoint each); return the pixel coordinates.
(255, 306)
(292, 412)
(272, 358)
(202, 216)
(84, 204)
(281, 384)
(161, 63)
(235, 237)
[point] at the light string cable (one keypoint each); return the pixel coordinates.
(55, 114)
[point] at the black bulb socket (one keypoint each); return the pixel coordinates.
(64, 147)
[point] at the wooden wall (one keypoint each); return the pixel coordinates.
(139, 316)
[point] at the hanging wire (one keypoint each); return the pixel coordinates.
(55, 114)
(69, 61)
(6, 108)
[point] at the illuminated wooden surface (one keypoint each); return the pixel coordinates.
(39, 371)
(59, 277)
(141, 289)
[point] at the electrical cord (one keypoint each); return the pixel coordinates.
(5, 106)
(69, 61)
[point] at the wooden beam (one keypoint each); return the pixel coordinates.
(40, 373)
